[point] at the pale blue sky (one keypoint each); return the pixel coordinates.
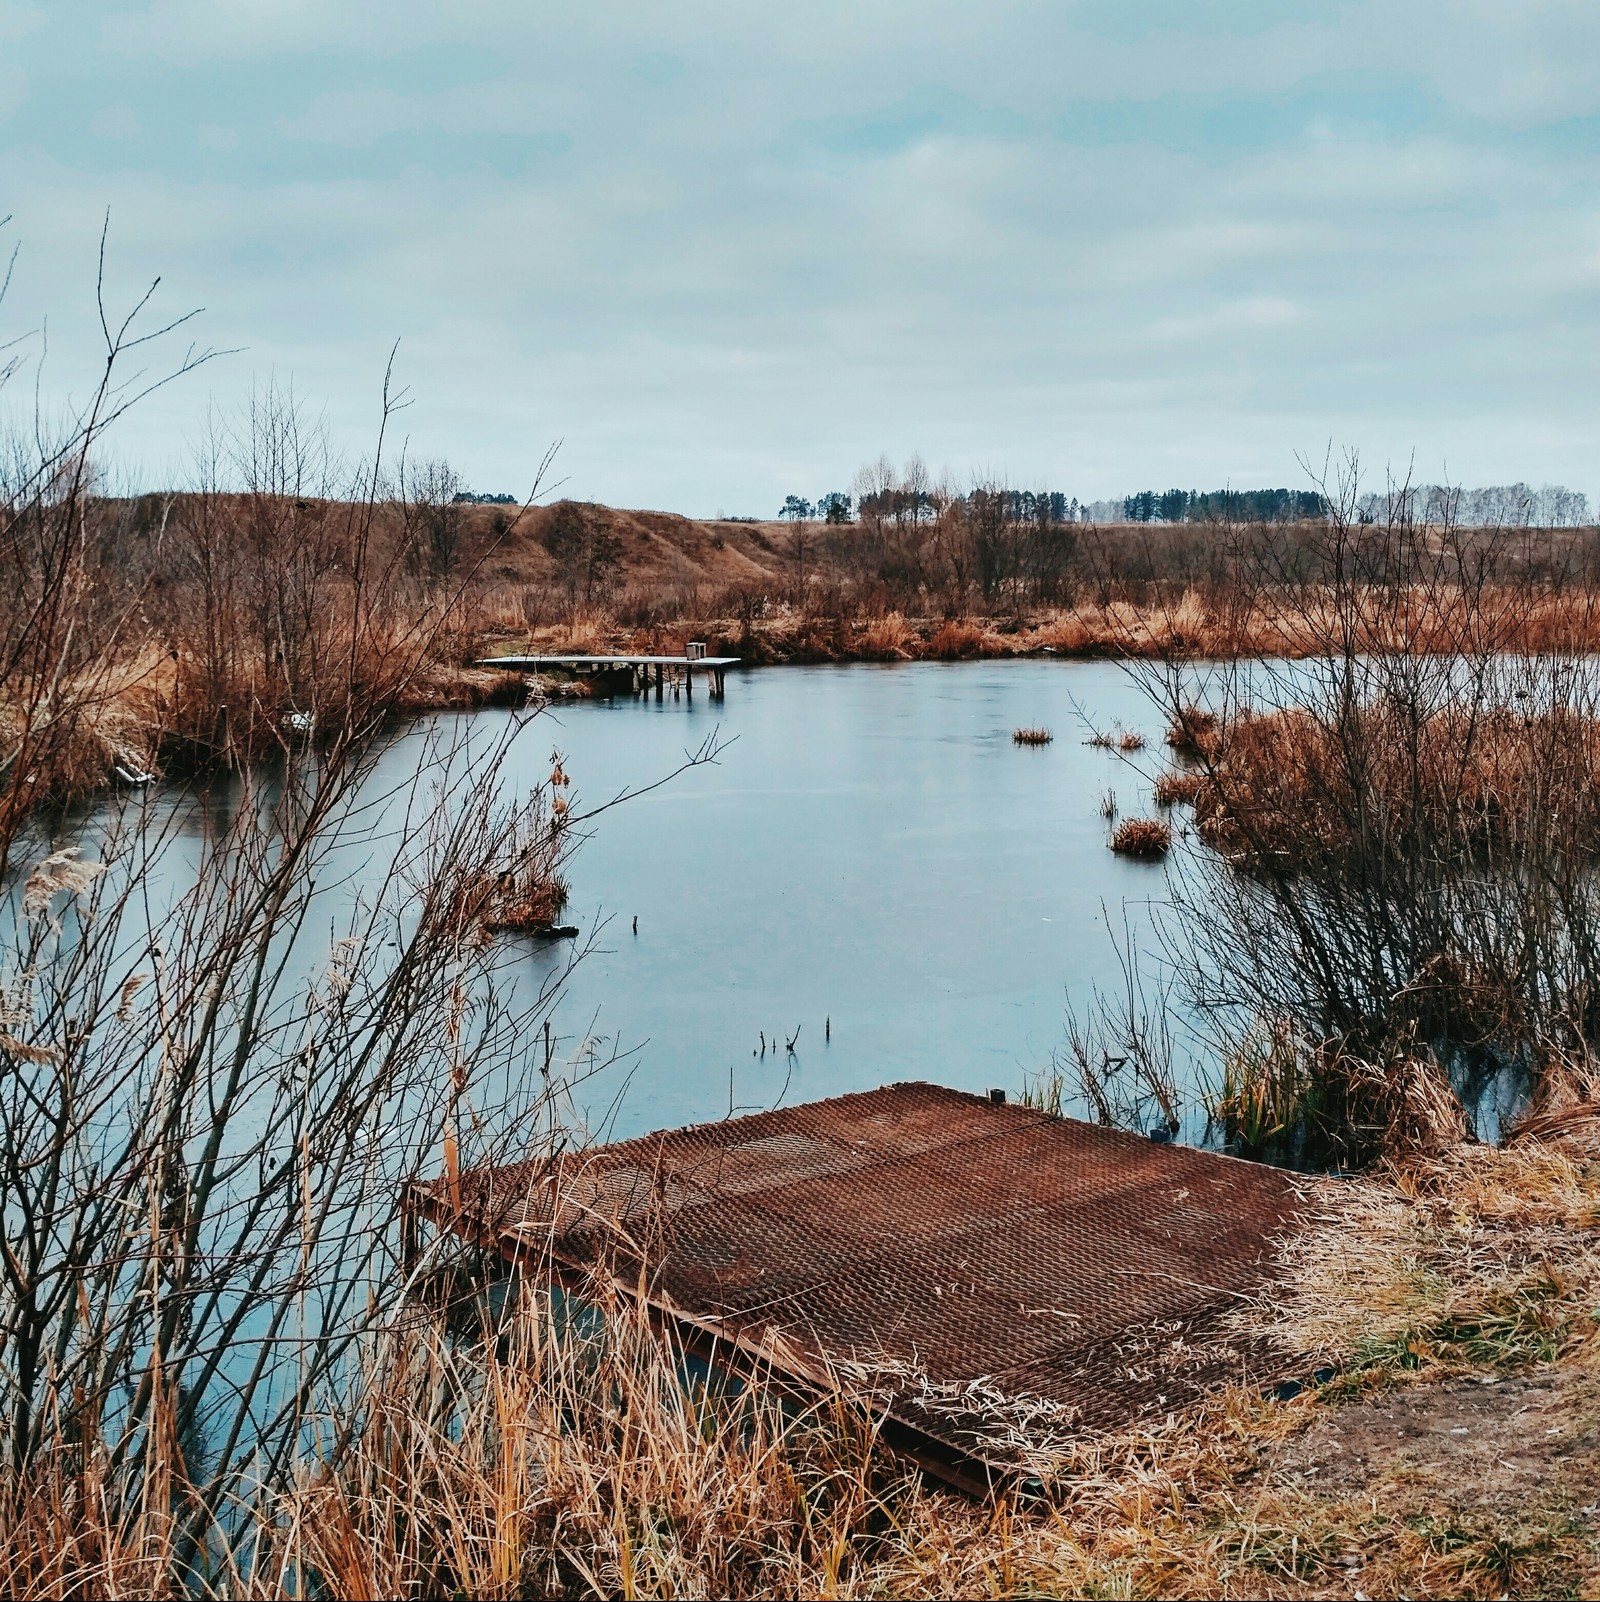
(730, 251)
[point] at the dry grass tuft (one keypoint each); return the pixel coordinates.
(1130, 740)
(1031, 736)
(1146, 838)
(887, 639)
(1194, 732)
(953, 641)
(1477, 1256)
(1175, 787)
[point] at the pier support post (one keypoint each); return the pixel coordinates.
(688, 683)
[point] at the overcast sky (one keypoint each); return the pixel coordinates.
(730, 251)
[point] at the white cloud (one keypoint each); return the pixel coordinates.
(712, 243)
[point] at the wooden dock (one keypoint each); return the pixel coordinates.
(644, 670)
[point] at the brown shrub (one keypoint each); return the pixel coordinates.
(1289, 785)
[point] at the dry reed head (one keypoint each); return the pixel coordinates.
(1147, 839)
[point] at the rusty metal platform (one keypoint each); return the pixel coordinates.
(1000, 1280)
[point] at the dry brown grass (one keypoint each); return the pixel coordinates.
(554, 1462)
(1148, 839)
(1176, 787)
(887, 639)
(1031, 736)
(1471, 1257)
(954, 640)
(1283, 785)
(1476, 1260)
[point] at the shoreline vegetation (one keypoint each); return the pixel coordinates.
(226, 624)
(226, 1372)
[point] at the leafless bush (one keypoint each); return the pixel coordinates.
(233, 1026)
(68, 619)
(1403, 878)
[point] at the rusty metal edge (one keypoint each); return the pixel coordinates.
(968, 1472)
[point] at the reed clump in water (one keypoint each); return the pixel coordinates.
(1283, 1099)
(523, 890)
(1148, 839)
(1402, 879)
(1192, 730)
(1031, 736)
(1176, 787)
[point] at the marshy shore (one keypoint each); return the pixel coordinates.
(204, 1145)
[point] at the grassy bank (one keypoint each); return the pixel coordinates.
(1192, 624)
(1451, 1448)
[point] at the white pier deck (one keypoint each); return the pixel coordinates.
(644, 667)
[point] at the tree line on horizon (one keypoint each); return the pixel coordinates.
(1492, 506)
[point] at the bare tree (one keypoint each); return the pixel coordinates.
(430, 499)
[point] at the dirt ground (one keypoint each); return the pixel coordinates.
(1489, 1443)
(1492, 1482)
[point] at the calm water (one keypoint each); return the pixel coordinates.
(871, 849)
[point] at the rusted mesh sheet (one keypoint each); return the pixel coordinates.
(1003, 1278)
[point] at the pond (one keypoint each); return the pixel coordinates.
(873, 869)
